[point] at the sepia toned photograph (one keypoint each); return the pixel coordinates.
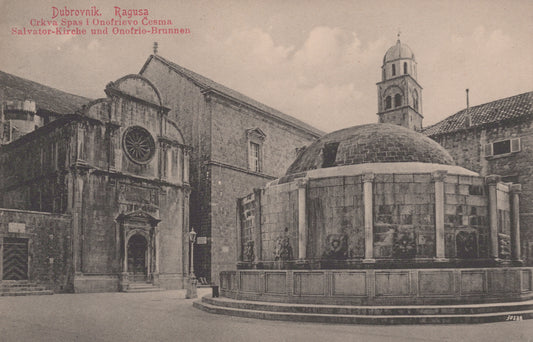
(246, 170)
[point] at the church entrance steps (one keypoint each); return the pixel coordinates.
(142, 287)
(344, 314)
(22, 288)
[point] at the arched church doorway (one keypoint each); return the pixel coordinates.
(138, 257)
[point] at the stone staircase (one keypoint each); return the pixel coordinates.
(345, 314)
(22, 288)
(136, 287)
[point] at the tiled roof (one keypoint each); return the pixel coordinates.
(46, 98)
(207, 84)
(503, 109)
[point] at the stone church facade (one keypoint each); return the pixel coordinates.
(99, 198)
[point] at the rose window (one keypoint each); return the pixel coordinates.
(138, 144)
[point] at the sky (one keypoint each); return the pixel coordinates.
(318, 61)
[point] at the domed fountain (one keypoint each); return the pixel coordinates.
(378, 215)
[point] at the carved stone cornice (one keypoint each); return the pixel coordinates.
(492, 179)
(515, 188)
(368, 177)
(302, 182)
(439, 175)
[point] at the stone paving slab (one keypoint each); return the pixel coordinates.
(168, 316)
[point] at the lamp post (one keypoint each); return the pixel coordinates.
(191, 285)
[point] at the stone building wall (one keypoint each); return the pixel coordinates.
(404, 219)
(34, 178)
(466, 217)
(230, 125)
(227, 185)
(404, 216)
(466, 146)
(49, 245)
(231, 176)
(218, 128)
(279, 222)
(335, 218)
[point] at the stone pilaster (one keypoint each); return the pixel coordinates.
(157, 247)
(302, 219)
(492, 182)
(438, 178)
(238, 236)
(186, 161)
(125, 256)
(257, 227)
(516, 189)
(368, 180)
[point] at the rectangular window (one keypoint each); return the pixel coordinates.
(254, 157)
(502, 147)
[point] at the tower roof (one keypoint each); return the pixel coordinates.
(398, 51)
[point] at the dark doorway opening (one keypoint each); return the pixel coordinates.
(15, 265)
(137, 257)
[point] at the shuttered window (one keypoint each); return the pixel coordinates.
(502, 147)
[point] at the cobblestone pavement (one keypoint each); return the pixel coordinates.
(168, 316)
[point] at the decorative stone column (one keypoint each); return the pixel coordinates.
(492, 181)
(368, 183)
(124, 279)
(515, 190)
(302, 219)
(438, 177)
(125, 256)
(257, 227)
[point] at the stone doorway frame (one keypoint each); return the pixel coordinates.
(139, 223)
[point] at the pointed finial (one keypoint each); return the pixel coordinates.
(399, 33)
(155, 48)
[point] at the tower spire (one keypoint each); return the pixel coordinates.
(155, 48)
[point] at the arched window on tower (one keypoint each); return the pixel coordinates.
(388, 102)
(405, 67)
(397, 100)
(415, 101)
(393, 70)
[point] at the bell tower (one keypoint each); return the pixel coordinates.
(399, 94)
